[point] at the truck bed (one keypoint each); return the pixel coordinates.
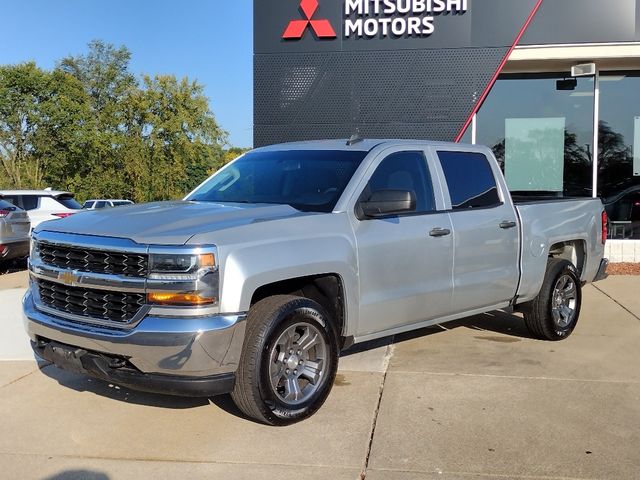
(541, 232)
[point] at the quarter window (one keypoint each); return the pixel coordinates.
(30, 202)
(470, 180)
(404, 171)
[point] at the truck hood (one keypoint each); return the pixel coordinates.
(167, 223)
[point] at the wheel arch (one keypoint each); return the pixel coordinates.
(327, 289)
(575, 251)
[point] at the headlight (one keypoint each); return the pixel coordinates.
(34, 251)
(183, 279)
(180, 267)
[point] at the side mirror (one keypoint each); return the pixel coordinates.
(383, 203)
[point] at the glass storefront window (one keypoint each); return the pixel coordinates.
(540, 128)
(619, 152)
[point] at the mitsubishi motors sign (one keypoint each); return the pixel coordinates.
(375, 18)
(382, 68)
(320, 26)
(396, 18)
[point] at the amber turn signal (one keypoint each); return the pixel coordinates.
(178, 299)
(207, 260)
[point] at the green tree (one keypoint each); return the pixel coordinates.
(90, 127)
(42, 124)
(109, 86)
(181, 138)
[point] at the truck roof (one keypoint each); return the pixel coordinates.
(363, 145)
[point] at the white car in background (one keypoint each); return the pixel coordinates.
(105, 203)
(42, 205)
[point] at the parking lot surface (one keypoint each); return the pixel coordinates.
(476, 399)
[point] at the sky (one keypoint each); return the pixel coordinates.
(206, 40)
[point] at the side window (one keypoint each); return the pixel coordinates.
(405, 171)
(470, 180)
(101, 204)
(30, 202)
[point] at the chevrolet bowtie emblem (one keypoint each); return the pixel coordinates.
(68, 278)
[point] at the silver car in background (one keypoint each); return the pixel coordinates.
(14, 232)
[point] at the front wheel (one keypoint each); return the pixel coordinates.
(289, 360)
(554, 313)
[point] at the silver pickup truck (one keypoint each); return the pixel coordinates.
(255, 282)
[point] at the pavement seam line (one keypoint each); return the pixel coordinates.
(616, 302)
(387, 361)
(516, 377)
(173, 460)
(21, 378)
(476, 474)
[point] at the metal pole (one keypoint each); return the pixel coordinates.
(474, 129)
(596, 127)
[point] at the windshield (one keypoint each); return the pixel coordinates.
(307, 180)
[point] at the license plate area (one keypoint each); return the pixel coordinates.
(64, 357)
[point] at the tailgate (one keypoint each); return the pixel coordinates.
(15, 226)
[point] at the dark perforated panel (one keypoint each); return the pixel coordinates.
(381, 94)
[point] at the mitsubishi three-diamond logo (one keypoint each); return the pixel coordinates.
(320, 26)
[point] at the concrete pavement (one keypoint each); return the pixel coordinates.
(473, 399)
(14, 343)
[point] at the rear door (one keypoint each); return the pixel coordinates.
(405, 273)
(485, 225)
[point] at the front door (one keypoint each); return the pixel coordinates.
(405, 261)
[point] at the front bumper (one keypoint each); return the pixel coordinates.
(14, 250)
(116, 370)
(179, 356)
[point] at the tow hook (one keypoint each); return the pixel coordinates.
(117, 363)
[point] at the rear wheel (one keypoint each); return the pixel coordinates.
(554, 313)
(289, 360)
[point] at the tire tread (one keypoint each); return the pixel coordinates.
(246, 392)
(537, 311)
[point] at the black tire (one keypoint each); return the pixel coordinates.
(539, 314)
(267, 322)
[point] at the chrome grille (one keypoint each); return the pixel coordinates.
(97, 304)
(95, 261)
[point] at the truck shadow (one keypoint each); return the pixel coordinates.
(510, 327)
(84, 383)
(12, 266)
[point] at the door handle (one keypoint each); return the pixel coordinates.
(506, 225)
(439, 232)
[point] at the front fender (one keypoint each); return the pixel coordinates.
(247, 268)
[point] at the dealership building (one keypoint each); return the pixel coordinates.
(552, 86)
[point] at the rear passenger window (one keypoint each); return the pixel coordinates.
(404, 171)
(470, 180)
(29, 202)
